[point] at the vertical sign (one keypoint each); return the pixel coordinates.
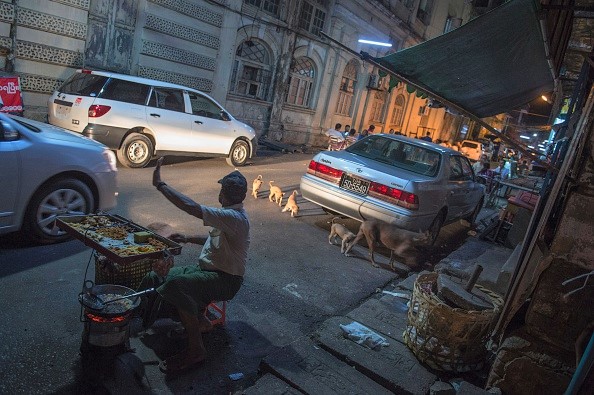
(10, 96)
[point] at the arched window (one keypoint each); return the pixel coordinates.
(344, 106)
(301, 82)
(252, 71)
(398, 114)
(377, 107)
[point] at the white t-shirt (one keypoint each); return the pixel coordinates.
(226, 247)
(335, 133)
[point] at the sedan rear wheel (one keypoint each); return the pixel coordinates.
(62, 197)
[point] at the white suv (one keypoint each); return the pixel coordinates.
(141, 118)
(473, 150)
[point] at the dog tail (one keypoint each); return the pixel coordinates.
(270, 183)
(259, 177)
(334, 219)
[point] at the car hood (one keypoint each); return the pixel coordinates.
(370, 169)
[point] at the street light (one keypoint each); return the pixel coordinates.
(382, 44)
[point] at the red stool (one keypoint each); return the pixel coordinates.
(218, 310)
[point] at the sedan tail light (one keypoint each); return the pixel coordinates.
(394, 196)
(96, 110)
(325, 172)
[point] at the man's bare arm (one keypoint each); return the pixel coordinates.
(180, 200)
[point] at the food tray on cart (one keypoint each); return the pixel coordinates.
(116, 237)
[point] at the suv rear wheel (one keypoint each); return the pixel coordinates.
(239, 154)
(136, 151)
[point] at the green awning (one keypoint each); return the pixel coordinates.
(490, 65)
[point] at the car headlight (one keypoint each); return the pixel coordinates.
(111, 159)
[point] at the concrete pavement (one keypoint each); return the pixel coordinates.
(329, 363)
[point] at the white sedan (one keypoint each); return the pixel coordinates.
(48, 171)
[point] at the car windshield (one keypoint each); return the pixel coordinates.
(399, 154)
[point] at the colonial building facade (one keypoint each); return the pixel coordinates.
(267, 61)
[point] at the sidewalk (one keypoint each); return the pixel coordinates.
(328, 363)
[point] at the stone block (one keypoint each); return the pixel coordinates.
(467, 388)
(526, 365)
(549, 313)
(506, 272)
(442, 388)
(576, 231)
(387, 315)
(270, 385)
(394, 367)
(312, 370)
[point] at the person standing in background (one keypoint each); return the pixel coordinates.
(427, 137)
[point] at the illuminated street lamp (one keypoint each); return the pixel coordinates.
(381, 44)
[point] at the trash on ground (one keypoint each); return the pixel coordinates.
(364, 336)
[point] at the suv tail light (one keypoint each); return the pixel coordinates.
(96, 110)
(325, 172)
(394, 196)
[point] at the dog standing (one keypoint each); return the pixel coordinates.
(341, 231)
(292, 204)
(256, 186)
(399, 241)
(276, 193)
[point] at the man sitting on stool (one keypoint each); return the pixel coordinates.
(220, 270)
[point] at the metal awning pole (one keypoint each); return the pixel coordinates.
(366, 57)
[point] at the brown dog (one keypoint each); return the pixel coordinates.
(292, 204)
(399, 241)
(341, 231)
(256, 186)
(276, 193)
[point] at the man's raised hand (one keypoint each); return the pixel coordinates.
(157, 172)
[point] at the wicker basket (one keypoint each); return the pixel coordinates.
(447, 338)
(129, 274)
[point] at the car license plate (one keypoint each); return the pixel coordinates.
(354, 184)
(62, 111)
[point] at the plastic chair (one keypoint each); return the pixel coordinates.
(218, 310)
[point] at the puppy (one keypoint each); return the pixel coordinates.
(399, 241)
(256, 186)
(276, 193)
(341, 231)
(292, 204)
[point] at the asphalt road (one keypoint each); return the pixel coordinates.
(295, 280)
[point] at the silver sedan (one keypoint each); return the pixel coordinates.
(47, 172)
(411, 183)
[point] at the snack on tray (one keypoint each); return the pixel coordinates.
(141, 237)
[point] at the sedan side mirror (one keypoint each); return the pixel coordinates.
(225, 116)
(8, 132)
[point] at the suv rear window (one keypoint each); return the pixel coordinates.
(125, 91)
(83, 84)
(469, 144)
(398, 154)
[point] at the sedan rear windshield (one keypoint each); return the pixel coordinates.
(399, 154)
(82, 84)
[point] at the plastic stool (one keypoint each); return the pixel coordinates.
(218, 311)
